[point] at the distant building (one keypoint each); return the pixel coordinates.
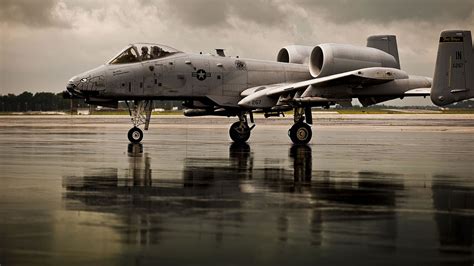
(83, 111)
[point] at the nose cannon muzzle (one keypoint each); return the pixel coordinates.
(71, 92)
(70, 87)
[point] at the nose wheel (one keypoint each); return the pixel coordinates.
(135, 135)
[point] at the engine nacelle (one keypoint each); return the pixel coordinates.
(296, 54)
(328, 59)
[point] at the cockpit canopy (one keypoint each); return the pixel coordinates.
(142, 52)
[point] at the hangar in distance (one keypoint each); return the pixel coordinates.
(302, 77)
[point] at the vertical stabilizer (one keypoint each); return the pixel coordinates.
(386, 43)
(453, 79)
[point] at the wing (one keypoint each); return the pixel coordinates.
(267, 96)
(365, 76)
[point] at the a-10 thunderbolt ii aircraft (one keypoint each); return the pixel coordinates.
(303, 77)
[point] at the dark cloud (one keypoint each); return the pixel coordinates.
(204, 13)
(386, 11)
(271, 13)
(250, 28)
(218, 13)
(263, 12)
(32, 13)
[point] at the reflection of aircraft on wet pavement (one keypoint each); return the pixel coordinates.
(107, 186)
(454, 219)
(224, 184)
(303, 77)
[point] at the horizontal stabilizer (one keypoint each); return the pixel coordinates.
(368, 101)
(418, 92)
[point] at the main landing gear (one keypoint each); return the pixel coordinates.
(240, 131)
(140, 113)
(300, 132)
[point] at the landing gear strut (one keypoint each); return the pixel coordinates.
(240, 131)
(140, 113)
(300, 132)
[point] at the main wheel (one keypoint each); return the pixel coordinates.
(300, 133)
(135, 135)
(239, 132)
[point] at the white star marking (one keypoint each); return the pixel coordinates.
(201, 75)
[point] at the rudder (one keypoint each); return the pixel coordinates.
(453, 79)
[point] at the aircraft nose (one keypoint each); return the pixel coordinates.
(92, 80)
(71, 91)
(70, 86)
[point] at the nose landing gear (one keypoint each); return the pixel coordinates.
(140, 113)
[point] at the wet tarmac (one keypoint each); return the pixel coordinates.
(368, 190)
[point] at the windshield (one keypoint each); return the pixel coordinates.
(128, 56)
(142, 52)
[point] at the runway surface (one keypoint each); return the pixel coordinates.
(368, 190)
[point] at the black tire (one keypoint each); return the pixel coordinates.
(135, 135)
(300, 133)
(239, 132)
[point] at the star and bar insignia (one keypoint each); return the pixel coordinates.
(201, 74)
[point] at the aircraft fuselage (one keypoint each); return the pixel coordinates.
(189, 76)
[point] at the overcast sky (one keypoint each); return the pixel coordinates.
(45, 42)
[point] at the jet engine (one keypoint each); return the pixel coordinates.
(296, 54)
(328, 59)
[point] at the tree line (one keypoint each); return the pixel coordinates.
(48, 101)
(40, 101)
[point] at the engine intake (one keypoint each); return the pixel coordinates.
(328, 59)
(296, 54)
